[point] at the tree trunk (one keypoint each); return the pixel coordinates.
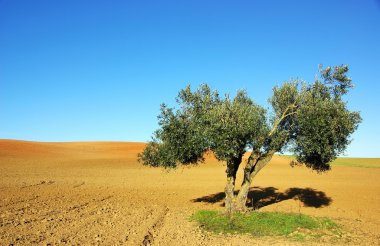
(232, 168)
(255, 163)
(230, 197)
(241, 198)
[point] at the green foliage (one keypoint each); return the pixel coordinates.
(324, 123)
(203, 122)
(235, 125)
(336, 78)
(265, 223)
(321, 135)
(312, 120)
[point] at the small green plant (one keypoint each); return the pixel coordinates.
(295, 226)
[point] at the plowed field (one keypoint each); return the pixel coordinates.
(97, 193)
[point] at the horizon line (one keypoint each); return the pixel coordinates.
(121, 141)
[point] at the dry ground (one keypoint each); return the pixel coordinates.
(97, 193)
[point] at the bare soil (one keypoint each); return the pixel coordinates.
(97, 193)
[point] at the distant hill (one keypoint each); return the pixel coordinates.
(26, 149)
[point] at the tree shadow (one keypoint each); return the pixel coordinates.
(259, 197)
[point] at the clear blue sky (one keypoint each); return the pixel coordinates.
(98, 70)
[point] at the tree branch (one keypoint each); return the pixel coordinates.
(283, 116)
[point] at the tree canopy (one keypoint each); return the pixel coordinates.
(311, 120)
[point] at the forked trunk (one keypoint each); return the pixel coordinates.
(254, 165)
(241, 198)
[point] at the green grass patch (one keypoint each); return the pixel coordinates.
(350, 161)
(295, 226)
(358, 162)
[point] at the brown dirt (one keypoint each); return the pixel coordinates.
(97, 193)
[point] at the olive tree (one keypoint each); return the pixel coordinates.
(311, 120)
